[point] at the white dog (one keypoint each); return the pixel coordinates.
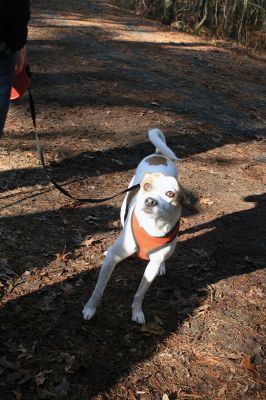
(150, 217)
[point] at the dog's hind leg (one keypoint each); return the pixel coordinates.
(120, 250)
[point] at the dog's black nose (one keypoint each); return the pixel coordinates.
(150, 202)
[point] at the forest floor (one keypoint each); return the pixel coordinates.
(102, 78)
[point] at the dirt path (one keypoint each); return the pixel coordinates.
(102, 78)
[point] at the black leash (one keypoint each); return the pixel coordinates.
(56, 185)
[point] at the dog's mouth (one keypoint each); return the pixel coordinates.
(148, 210)
(159, 211)
(154, 211)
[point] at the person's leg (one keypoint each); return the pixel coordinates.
(7, 70)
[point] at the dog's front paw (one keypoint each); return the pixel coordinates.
(138, 316)
(88, 312)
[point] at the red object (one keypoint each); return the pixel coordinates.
(21, 82)
(147, 244)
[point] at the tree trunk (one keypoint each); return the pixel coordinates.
(203, 12)
(168, 11)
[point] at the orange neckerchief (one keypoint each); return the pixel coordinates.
(147, 244)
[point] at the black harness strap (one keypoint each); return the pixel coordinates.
(56, 185)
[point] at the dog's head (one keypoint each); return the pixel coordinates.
(160, 196)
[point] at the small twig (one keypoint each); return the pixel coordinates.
(212, 292)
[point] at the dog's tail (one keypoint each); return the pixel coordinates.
(157, 138)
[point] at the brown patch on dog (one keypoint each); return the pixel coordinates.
(156, 160)
(149, 177)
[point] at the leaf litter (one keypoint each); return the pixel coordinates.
(206, 316)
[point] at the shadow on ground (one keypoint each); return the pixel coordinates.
(80, 359)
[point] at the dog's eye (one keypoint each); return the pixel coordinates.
(147, 187)
(170, 194)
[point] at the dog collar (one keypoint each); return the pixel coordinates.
(147, 244)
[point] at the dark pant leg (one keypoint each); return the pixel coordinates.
(7, 70)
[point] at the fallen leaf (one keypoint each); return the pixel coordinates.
(205, 201)
(130, 395)
(117, 224)
(233, 356)
(247, 362)
(87, 242)
(68, 288)
(256, 291)
(24, 353)
(201, 253)
(201, 310)
(41, 377)
(68, 359)
(153, 329)
(63, 388)
(222, 390)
